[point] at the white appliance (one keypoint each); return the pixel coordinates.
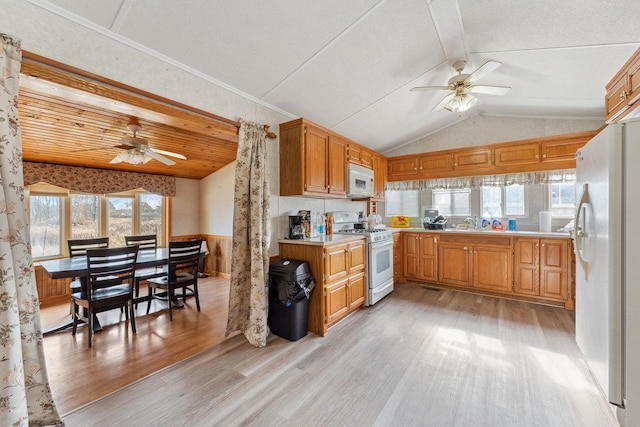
(607, 235)
(379, 259)
(359, 181)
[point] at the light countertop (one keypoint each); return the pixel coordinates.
(515, 233)
(323, 240)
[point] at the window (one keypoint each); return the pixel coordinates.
(151, 215)
(120, 219)
(562, 199)
(85, 216)
(402, 203)
(45, 222)
(503, 201)
(452, 202)
(56, 215)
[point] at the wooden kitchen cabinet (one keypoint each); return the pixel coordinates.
(522, 154)
(312, 161)
(421, 256)
(402, 168)
(479, 262)
(541, 268)
(623, 91)
(339, 272)
(379, 177)
(477, 159)
(397, 258)
(360, 155)
(435, 163)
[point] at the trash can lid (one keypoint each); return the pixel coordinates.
(287, 266)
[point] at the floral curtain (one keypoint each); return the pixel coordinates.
(544, 177)
(25, 396)
(97, 181)
(248, 304)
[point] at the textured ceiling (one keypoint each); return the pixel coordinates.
(349, 65)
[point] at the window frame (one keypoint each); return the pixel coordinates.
(65, 226)
(549, 200)
(503, 192)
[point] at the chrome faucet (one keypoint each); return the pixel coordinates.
(472, 221)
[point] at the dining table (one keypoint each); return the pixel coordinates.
(64, 268)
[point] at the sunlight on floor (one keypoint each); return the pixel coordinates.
(562, 370)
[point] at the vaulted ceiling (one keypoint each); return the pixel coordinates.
(349, 65)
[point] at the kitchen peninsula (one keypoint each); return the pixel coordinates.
(524, 265)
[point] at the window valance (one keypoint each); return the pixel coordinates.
(541, 177)
(97, 181)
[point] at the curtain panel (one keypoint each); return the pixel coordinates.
(544, 177)
(97, 181)
(248, 293)
(25, 394)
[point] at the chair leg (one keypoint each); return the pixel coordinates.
(90, 331)
(170, 298)
(75, 317)
(149, 297)
(195, 293)
(132, 317)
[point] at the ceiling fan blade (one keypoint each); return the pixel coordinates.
(168, 153)
(443, 102)
(484, 69)
(429, 88)
(159, 158)
(490, 90)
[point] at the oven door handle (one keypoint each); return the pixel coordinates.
(377, 245)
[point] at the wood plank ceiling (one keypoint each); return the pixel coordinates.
(71, 119)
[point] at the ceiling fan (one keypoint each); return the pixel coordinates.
(137, 150)
(463, 86)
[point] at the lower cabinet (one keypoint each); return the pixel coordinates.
(539, 268)
(339, 273)
(397, 258)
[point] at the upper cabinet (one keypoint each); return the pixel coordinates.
(623, 91)
(313, 161)
(547, 153)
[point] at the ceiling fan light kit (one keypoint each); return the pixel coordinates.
(137, 150)
(460, 100)
(133, 157)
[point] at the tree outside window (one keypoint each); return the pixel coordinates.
(45, 222)
(85, 216)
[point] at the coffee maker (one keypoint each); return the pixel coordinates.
(296, 227)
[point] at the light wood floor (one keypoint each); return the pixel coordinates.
(79, 375)
(420, 357)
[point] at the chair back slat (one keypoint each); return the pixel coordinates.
(145, 241)
(78, 247)
(184, 255)
(108, 267)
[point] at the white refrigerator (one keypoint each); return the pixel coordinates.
(607, 236)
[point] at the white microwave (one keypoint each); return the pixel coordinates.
(359, 181)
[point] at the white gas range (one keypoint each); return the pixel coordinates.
(379, 260)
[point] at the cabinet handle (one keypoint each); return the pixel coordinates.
(543, 245)
(435, 240)
(623, 95)
(537, 156)
(544, 156)
(464, 249)
(537, 245)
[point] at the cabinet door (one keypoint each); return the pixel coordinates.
(356, 253)
(517, 155)
(553, 268)
(479, 159)
(432, 163)
(315, 154)
(337, 169)
(560, 151)
(336, 262)
(411, 250)
(402, 168)
(366, 158)
(454, 264)
(633, 82)
(526, 267)
(354, 153)
(379, 177)
(336, 300)
(397, 257)
(355, 291)
(615, 99)
(492, 268)
(428, 257)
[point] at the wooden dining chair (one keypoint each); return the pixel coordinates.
(78, 247)
(182, 273)
(146, 243)
(110, 277)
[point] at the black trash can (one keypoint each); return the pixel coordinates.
(290, 285)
